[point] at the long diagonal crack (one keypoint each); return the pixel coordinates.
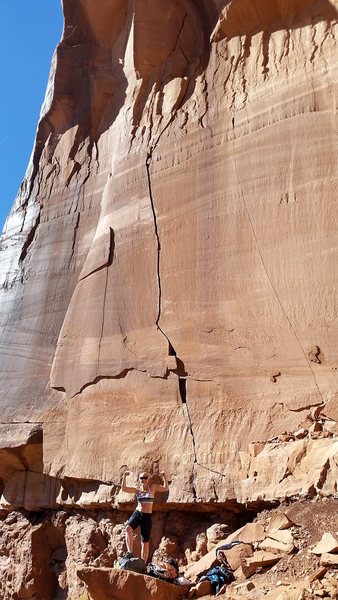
(269, 278)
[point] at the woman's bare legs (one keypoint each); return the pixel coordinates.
(145, 551)
(129, 538)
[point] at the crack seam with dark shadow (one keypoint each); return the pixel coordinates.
(180, 365)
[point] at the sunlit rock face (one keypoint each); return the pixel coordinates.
(167, 268)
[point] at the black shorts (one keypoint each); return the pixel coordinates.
(142, 519)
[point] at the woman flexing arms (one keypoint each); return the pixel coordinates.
(142, 515)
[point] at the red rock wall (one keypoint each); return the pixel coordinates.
(168, 265)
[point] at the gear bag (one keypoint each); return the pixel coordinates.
(166, 571)
(218, 576)
(132, 564)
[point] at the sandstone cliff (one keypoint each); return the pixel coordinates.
(167, 269)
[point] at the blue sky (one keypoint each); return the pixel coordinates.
(29, 32)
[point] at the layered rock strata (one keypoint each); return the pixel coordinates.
(167, 269)
(59, 555)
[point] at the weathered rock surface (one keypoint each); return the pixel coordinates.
(328, 543)
(279, 522)
(167, 270)
(54, 555)
(168, 261)
(329, 559)
(112, 584)
(276, 547)
(261, 558)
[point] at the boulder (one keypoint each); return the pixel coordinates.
(317, 574)
(25, 566)
(247, 586)
(301, 433)
(85, 540)
(330, 586)
(196, 570)
(235, 557)
(328, 559)
(201, 589)
(315, 427)
(330, 410)
(279, 521)
(276, 547)
(283, 536)
(331, 427)
(251, 532)
(328, 543)
(262, 559)
(167, 548)
(200, 548)
(215, 534)
(113, 584)
(285, 592)
(209, 560)
(243, 572)
(318, 589)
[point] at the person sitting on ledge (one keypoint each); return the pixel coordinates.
(142, 515)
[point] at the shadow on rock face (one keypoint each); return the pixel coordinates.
(144, 45)
(249, 18)
(115, 56)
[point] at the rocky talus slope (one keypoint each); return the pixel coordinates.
(167, 285)
(287, 553)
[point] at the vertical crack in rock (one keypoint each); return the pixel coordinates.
(172, 352)
(182, 382)
(260, 254)
(30, 238)
(148, 162)
(178, 42)
(194, 493)
(181, 371)
(76, 226)
(102, 322)
(182, 388)
(205, 95)
(109, 263)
